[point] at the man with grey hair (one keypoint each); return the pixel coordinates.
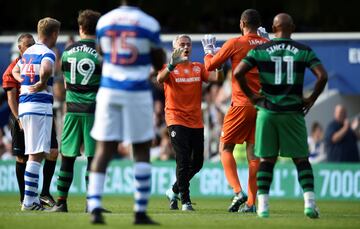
(183, 94)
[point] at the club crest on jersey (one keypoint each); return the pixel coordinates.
(176, 72)
(196, 69)
(173, 133)
(186, 71)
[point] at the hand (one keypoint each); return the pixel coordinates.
(307, 104)
(346, 124)
(176, 57)
(39, 86)
(208, 43)
(255, 99)
(20, 126)
(355, 124)
(261, 31)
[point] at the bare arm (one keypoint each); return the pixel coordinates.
(16, 73)
(46, 69)
(338, 135)
(13, 102)
(321, 75)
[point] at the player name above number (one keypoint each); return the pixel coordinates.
(83, 48)
(282, 46)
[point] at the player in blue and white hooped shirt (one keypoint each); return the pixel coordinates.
(35, 71)
(130, 42)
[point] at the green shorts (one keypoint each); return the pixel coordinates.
(281, 134)
(76, 133)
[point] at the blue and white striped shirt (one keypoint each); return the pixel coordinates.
(39, 103)
(126, 36)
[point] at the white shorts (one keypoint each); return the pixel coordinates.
(37, 133)
(123, 116)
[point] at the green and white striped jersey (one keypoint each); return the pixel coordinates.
(282, 63)
(82, 71)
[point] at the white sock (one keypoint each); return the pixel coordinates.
(95, 190)
(309, 199)
(31, 182)
(263, 202)
(142, 185)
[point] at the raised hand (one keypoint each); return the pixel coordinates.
(261, 31)
(176, 57)
(209, 43)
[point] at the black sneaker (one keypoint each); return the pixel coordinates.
(141, 218)
(103, 210)
(97, 217)
(173, 199)
(59, 208)
(47, 200)
(237, 201)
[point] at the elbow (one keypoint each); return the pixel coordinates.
(159, 79)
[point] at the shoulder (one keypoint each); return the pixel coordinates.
(300, 46)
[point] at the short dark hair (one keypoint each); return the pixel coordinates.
(251, 18)
(315, 126)
(28, 36)
(88, 19)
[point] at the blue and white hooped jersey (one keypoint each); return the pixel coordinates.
(126, 36)
(39, 103)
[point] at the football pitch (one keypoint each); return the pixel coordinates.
(210, 213)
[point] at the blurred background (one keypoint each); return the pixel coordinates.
(189, 16)
(330, 29)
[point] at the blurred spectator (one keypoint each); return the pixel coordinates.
(341, 138)
(70, 41)
(316, 144)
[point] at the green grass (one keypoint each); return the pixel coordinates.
(210, 213)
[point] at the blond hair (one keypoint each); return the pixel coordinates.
(178, 38)
(47, 26)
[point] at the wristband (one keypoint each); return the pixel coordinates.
(170, 67)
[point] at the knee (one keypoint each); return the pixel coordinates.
(21, 159)
(53, 155)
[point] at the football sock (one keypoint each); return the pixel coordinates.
(305, 176)
(309, 199)
(142, 173)
(95, 190)
(20, 173)
(306, 180)
(230, 169)
(252, 186)
(264, 177)
(48, 172)
(65, 178)
(31, 178)
(263, 202)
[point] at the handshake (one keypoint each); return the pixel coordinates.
(209, 44)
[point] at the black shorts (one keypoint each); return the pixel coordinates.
(18, 141)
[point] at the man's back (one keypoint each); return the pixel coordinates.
(40, 102)
(126, 37)
(236, 49)
(282, 64)
(82, 70)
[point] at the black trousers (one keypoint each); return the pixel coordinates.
(188, 144)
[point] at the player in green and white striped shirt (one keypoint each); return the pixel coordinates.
(280, 123)
(82, 70)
